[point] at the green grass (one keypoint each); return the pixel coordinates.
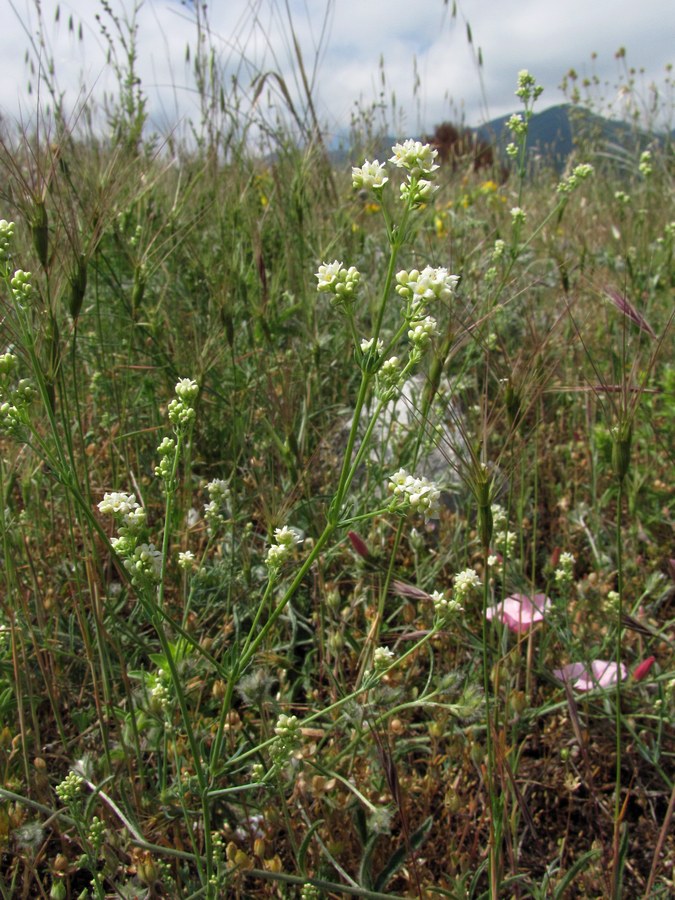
(457, 765)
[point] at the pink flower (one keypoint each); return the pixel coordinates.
(640, 671)
(519, 612)
(601, 673)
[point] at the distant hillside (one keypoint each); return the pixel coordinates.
(554, 133)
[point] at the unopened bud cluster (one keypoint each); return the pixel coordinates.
(517, 125)
(445, 606)
(579, 174)
(645, 164)
(14, 398)
(6, 237)
(167, 451)
(21, 286)
(216, 511)
(181, 408)
(287, 740)
(70, 788)
(528, 89)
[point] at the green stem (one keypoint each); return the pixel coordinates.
(493, 803)
(616, 882)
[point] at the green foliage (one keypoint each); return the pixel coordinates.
(247, 704)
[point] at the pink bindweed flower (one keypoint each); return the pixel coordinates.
(520, 612)
(600, 673)
(642, 669)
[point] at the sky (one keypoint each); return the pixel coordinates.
(415, 61)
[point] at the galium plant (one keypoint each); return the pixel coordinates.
(275, 708)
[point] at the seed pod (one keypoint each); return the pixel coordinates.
(622, 437)
(40, 232)
(138, 289)
(78, 286)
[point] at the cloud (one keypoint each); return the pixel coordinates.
(353, 51)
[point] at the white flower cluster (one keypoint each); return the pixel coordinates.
(334, 278)
(367, 345)
(414, 156)
(498, 252)
(124, 507)
(369, 175)
(186, 560)
(565, 571)
(464, 583)
(159, 696)
(419, 495)
(418, 161)
(286, 538)
(382, 658)
(142, 560)
(517, 216)
(430, 284)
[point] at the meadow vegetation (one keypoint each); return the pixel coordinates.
(243, 654)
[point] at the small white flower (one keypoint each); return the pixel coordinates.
(421, 333)
(369, 175)
(186, 560)
(187, 389)
(464, 583)
(416, 157)
(117, 503)
(334, 278)
(286, 536)
(382, 657)
(366, 345)
(418, 494)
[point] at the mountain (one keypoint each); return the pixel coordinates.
(552, 137)
(554, 133)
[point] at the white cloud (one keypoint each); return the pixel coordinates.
(350, 37)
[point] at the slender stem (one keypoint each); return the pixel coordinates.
(493, 856)
(616, 884)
